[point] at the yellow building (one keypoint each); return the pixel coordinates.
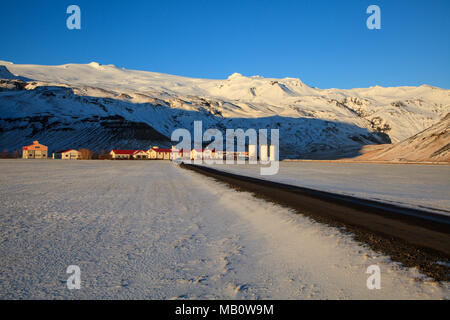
(71, 154)
(35, 151)
(157, 153)
(122, 154)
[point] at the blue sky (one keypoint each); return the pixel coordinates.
(324, 43)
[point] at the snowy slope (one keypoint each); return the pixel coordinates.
(311, 120)
(432, 144)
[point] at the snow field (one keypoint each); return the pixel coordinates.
(425, 187)
(151, 230)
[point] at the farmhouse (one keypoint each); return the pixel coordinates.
(35, 151)
(165, 154)
(129, 154)
(157, 153)
(140, 155)
(122, 154)
(152, 153)
(71, 154)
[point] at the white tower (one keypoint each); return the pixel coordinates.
(252, 153)
(273, 153)
(263, 156)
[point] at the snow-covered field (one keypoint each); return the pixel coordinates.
(152, 230)
(426, 187)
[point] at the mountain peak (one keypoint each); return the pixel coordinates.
(236, 75)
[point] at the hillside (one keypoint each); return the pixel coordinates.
(432, 144)
(102, 107)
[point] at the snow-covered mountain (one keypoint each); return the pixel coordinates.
(102, 106)
(432, 144)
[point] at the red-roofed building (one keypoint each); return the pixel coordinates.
(122, 154)
(35, 151)
(140, 155)
(157, 153)
(129, 154)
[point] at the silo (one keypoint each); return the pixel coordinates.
(252, 153)
(263, 156)
(274, 153)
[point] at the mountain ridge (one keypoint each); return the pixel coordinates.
(348, 118)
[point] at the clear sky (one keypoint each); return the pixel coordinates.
(325, 43)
